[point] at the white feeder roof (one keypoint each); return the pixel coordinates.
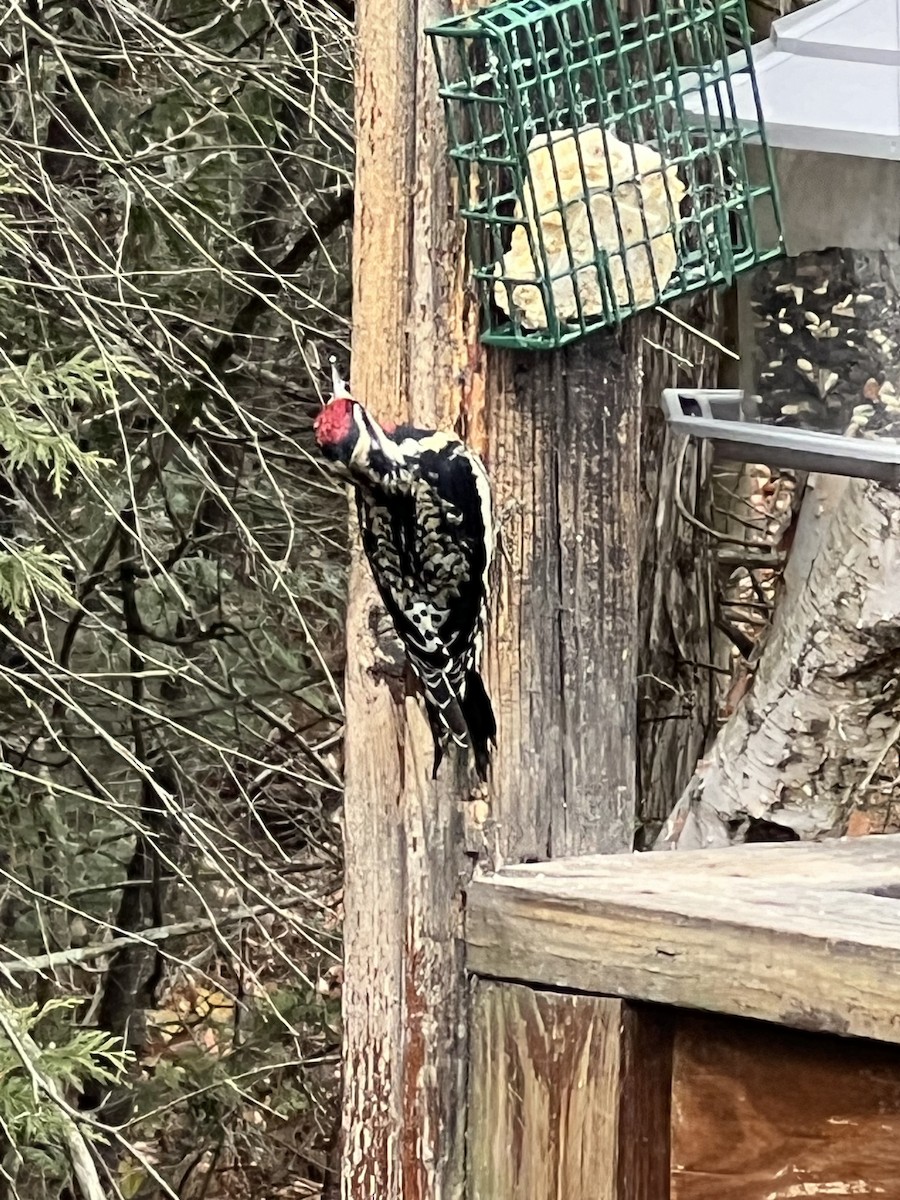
(828, 80)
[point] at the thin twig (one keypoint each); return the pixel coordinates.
(146, 937)
(699, 334)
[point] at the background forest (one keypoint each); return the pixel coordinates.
(175, 195)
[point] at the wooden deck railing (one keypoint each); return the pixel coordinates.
(593, 1076)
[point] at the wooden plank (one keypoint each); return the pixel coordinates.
(569, 1097)
(810, 959)
(846, 864)
(565, 470)
(544, 1086)
(646, 1040)
(788, 911)
(761, 1113)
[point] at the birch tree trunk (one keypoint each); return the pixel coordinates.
(813, 744)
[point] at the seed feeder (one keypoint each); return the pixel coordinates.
(590, 191)
(827, 82)
(729, 419)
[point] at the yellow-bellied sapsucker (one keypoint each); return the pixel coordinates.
(425, 515)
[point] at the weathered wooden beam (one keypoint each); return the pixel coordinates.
(845, 864)
(564, 453)
(569, 1097)
(810, 954)
(560, 437)
(403, 996)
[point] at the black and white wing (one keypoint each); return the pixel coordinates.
(428, 535)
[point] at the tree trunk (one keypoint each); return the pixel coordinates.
(814, 740)
(405, 858)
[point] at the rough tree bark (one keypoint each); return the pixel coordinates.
(561, 437)
(814, 740)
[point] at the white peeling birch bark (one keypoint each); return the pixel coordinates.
(815, 724)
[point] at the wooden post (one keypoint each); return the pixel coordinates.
(570, 1097)
(560, 436)
(564, 455)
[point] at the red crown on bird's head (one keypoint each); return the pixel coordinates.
(335, 421)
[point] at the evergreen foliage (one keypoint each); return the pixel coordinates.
(174, 227)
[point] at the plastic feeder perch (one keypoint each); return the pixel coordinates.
(589, 193)
(730, 422)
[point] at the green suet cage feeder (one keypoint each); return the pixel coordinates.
(590, 190)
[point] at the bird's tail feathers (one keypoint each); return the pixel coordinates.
(439, 736)
(478, 713)
(442, 702)
(459, 711)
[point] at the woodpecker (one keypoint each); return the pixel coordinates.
(424, 505)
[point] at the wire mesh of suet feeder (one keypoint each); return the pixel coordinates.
(590, 192)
